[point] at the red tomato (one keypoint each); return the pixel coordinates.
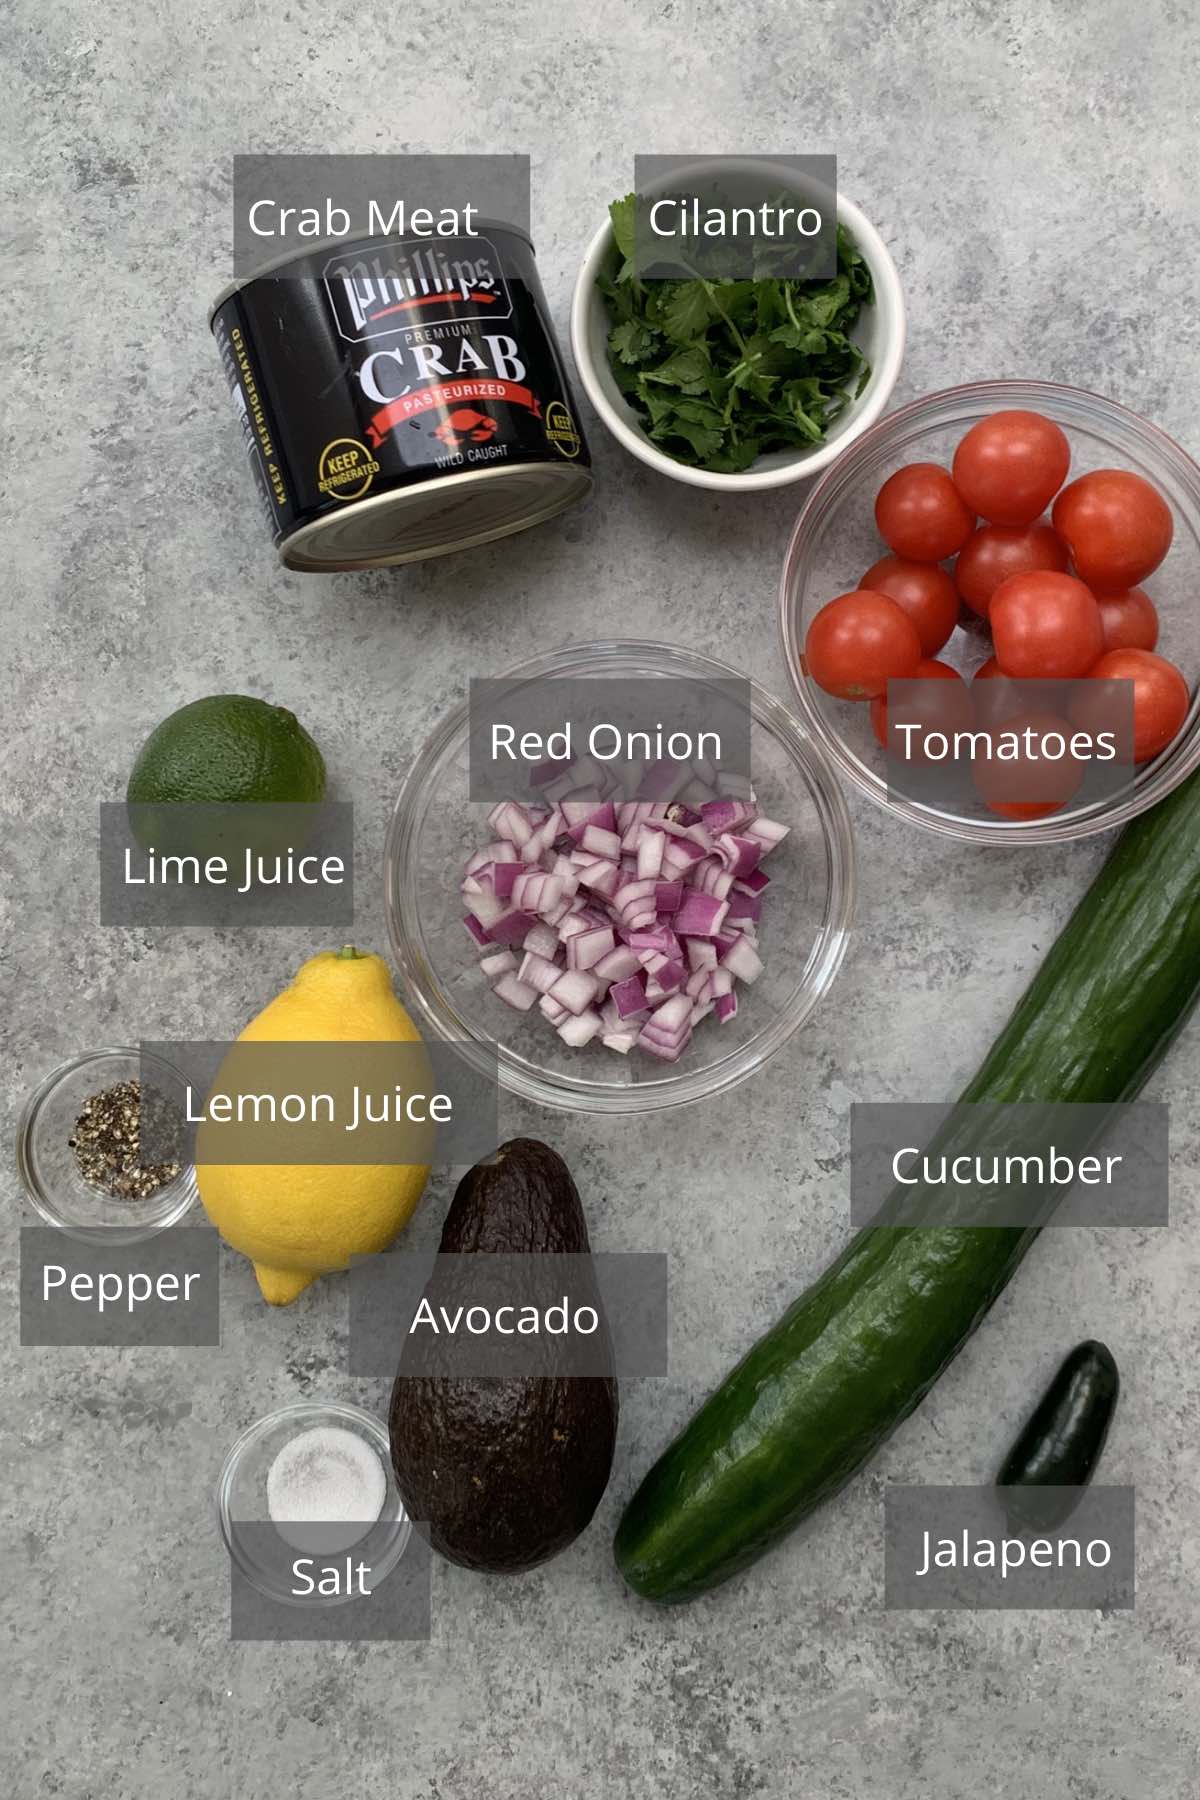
(973, 624)
(1117, 527)
(1046, 626)
(930, 709)
(857, 642)
(998, 698)
(920, 513)
(1129, 620)
(1010, 465)
(994, 552)
(1032, 770)
(922, 590)
(1160, 696)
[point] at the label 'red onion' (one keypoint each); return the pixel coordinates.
(623, 921)
(401, 399)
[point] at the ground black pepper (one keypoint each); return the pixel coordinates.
(107, 1142)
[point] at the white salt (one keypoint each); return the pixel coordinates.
(326, 1475)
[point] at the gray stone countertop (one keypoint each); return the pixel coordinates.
(1032, 169)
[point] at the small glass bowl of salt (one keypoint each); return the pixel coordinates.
(314, 1480)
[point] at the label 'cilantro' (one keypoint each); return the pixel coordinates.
(720, 372)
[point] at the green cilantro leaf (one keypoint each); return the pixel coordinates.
(721, 372)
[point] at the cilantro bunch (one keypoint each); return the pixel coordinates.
(720, 372)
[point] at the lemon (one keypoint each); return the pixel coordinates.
(298, 1221)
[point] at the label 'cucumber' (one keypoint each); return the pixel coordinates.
(852, 1357)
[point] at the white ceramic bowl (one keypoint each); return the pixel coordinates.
(879, 332)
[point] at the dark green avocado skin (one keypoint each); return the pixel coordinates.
(505, 1472)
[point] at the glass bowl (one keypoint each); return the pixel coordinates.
(834, 540)
(262, 1550)
(47, 1166)
(435, 828)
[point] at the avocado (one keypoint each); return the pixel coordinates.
(503, 1472)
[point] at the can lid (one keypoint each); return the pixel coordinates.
(432, 518)
(270, 269)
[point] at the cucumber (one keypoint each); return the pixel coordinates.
(1044, 1474)
(853, 1356)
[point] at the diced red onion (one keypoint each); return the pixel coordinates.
(501, 962)
(600, 842)
(515, 993)
(650, 847)
(768, 831)
(504, 878)
(700, 915)
(629, 996)
(727, 814)
(510, 928)
(744, 906)
(476, 929)
(671, 1019)
(602, 878)
(544, 772)
(542, 939)
(617, 965)
(574, 989)
(541, 972)
(743, 961)
(662, 781)
(483, 902)
(580, 1030)
(680, 854)
(660, 938)
(508, 820)
(586, 948)
(741, 853)
(653, 905)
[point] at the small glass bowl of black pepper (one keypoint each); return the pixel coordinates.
(79, 1150)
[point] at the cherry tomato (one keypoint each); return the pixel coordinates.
(920, 513)
(1160, 697)
(994, 552)
(1129, 620)
(922, 590)
(1117, 527)
(1032, 769)
(995, 696)
(856, 642)
(1009, 466)
(1045, 625)
(973, 624)
(930, 709)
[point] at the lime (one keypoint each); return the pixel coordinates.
(228, 749)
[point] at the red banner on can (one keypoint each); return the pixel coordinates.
(449, 393)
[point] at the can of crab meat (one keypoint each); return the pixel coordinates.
(401, 399)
